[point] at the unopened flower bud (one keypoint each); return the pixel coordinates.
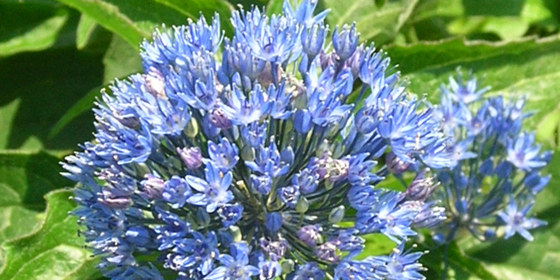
(337, 214)
(273, 221)
(192, 157)
(113, 201)
(192, 128)
(345, 41)
(219, 119)
(421, 187)
(247, 153)
(138, 235)
(310, 235)
(327, 252)
(236, 233)
(288, 266)
(396, 165)
(302, 205)
(312, 39)
(152, 187)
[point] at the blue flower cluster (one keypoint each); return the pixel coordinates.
(246, 157)
(492, 189)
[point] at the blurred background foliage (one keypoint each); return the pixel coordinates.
(56, 56)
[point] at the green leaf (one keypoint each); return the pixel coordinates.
(120, 60)
(431, 17)
(460, 266)
(380, 3)
(37, 88)
(493, 7)
(207, 8)
(274, 7)
(537, 10)
(437, 8)
(529, 68)
(380, 25)
(85, 104)
(24, 179)
(86, 28)
(29, 176)
(136, 20)
(482, 19)
(508, 28)
(53, 252)
(376, 244)
(31, 26)
(549, 127)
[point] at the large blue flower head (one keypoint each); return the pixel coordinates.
(493, 186)
(244, 158)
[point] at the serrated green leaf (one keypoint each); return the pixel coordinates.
(29, 176)
(29, 26)
(136, 20)
(378, 24)
(24, 179)
(527, 68)
(54, 252)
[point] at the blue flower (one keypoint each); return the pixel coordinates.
(523, 155)
(359, 270)
(176, 192)
(224, 155)
(401, 264)
(230, 214)
(197, 252)
(245, 157)
(243, 111)
(213, 191)
(498, 166)
(464, 93)
(515, 220)
(235, 266)
(308, 271)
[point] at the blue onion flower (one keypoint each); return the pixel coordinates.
(244, 158)
(493, 186)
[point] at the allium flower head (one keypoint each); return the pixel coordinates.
(243, 158)
(498, 174)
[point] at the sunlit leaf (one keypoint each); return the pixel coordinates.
(136, 20)
(54, 252)
(376, 24)
(24, 179)
(30, 26)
